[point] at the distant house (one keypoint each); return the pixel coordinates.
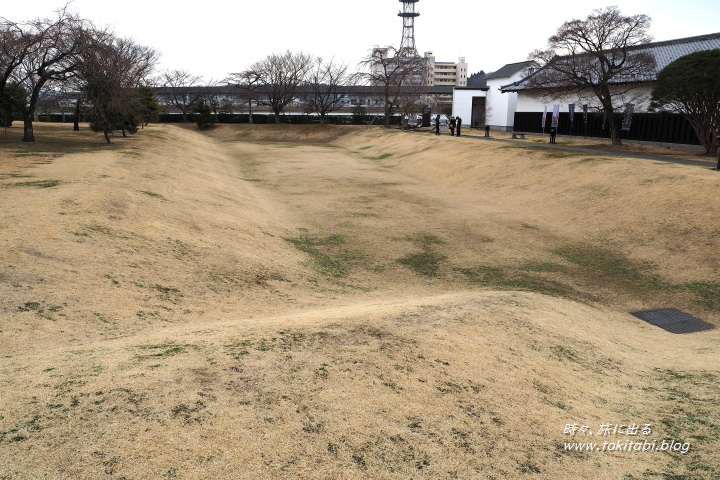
(652, 127)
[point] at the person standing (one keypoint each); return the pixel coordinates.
(437, 125)
(452, 126)
(458, 123)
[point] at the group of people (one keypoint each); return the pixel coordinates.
(455, 122)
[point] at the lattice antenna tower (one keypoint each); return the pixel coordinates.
(408, 14)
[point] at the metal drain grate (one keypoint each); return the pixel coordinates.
(673, 320)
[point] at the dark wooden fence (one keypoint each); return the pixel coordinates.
(649, 127)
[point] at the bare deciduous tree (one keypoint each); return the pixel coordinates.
(212, 97)
(597, 57)
(247, 84)
(178, 86)
(40, 52)
(326, 85)
(278, 78)
(15, 44)
(112, 70)
(397, 72)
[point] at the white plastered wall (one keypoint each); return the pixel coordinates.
(640, 96)
(462, 103)
(502, 106)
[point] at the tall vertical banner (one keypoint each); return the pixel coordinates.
(627, 119)
(585, 117)
(556, 116)
(604, 120)
(544, 118)
(571, 109)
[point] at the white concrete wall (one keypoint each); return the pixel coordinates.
(462, 103)
(500, 114)
(503, 105)
(640, 96)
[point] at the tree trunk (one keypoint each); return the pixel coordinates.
(107, 134)
(614, 128)
(28, 133)
(606, 101)
(386, 122)
(76, 123)
(277, 117)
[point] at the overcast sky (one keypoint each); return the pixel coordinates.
(214, 37)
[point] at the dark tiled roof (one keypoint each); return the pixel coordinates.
(663, 52)
(509, 70)
(671, 50)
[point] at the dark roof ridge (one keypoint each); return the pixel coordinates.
(509, 69)
(663, 43)
(651, 45)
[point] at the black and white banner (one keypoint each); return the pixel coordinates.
(627, 119)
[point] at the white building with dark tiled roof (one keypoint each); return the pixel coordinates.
(640, 86)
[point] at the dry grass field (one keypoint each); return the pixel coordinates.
(324, 302)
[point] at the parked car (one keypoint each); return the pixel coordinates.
(413, 123)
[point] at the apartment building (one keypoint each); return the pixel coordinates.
(445, 74)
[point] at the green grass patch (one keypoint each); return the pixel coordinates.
(153, 194)
(97, 228)
(604, 266)
(329, 255)
(428, 261)
(565, 353)
(425, 263)
(706, 294)
(382, 157)
(522, 278)
(29, 306)
(164, 350)
(363, 215)
(426, 241)
(37, 184)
